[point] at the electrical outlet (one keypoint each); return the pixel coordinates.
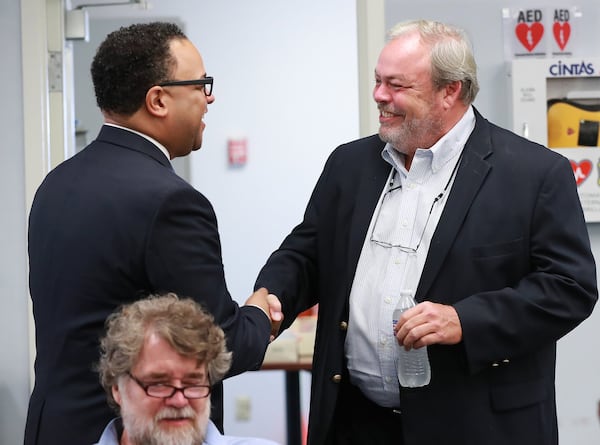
(243, 408)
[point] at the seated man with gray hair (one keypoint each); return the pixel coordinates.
(158, 361)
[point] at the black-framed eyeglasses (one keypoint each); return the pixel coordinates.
(437, 199)
(164, 391)
(207, 82)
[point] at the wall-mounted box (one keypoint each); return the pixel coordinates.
(556, 102)
(77, 25)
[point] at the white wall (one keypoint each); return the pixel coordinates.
(14, 361)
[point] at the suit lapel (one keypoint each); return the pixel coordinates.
(469, 179)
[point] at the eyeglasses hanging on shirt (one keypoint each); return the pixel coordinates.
(392, 188)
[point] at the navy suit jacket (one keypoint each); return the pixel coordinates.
(107, 226)
(511, 253)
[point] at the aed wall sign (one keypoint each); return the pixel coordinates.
(542, 32)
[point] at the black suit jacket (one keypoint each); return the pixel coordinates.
(107, 226)
(511, 253)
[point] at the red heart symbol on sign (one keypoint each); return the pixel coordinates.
(581, 170)
(562, 32)
(529, 35)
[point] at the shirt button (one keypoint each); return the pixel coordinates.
(388, 300)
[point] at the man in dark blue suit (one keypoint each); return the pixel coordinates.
(483, 227)
(115, 222)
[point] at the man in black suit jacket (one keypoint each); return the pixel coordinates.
(115, 222)
(483, 226)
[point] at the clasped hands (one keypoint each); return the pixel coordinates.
(270, 305)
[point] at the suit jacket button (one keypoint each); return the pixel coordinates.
(337, 378)
(495, 364)
(343, 326)
(506, 360)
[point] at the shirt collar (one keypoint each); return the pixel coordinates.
(443, 150)
(158, 145)
(112, 433)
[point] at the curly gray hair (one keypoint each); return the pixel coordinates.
(182, 322)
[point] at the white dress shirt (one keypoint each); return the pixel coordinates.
(393, 256)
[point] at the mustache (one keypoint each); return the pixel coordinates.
(387, 109)
(176, 413)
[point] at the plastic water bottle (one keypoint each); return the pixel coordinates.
(413, 366)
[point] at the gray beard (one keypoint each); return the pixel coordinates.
(147, 432)
(411, 135)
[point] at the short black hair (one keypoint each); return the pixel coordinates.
(129, 62)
